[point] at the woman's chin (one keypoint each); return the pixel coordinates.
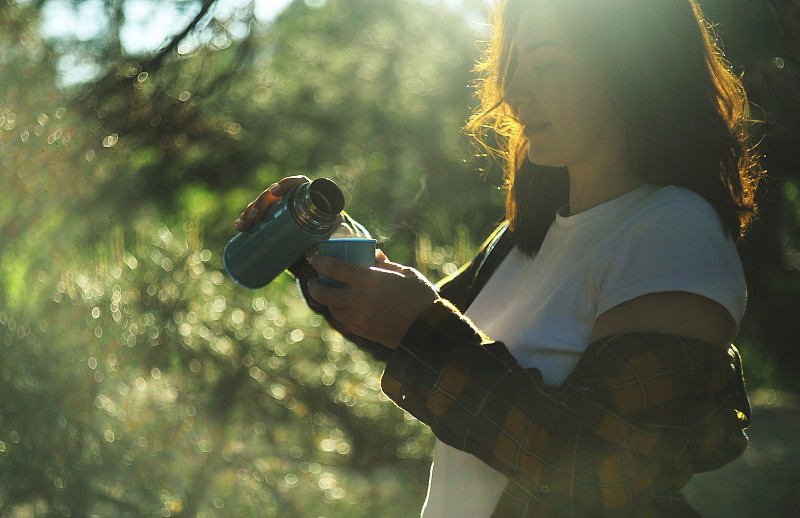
(539, 157)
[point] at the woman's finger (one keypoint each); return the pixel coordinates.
(262, 203)
(257, 209)
(334, 297)
(273, 194)
(388, 265)
(338, 269)
(287, 183)
(378, 304)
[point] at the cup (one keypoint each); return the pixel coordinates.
(358, 251)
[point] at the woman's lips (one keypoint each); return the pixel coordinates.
(535, 128)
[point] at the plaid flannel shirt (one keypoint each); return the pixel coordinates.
(639, 414)
(636, 418)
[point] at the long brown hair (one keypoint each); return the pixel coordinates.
(686, 112)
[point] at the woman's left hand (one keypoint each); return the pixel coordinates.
(380, 303)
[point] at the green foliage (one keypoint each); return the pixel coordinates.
(164, 389)
(762, 41)
(136, 379)
(370, 93)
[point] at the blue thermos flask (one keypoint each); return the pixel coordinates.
(299, 220)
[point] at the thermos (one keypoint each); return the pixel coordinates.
(299, 220)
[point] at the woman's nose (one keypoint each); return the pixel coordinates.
(512, 95)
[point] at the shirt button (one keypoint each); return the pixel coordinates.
(544, 488)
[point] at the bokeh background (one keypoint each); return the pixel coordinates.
(137, 380)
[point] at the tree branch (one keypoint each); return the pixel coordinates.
(112, 79)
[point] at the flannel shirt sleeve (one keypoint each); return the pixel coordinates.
(639, 414)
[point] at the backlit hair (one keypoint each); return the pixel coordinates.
(686, 113)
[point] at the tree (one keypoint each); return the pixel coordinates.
(762, 41)
(143, 381)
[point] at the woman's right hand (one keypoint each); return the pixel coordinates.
(258, 207)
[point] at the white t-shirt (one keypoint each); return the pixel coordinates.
(653, 239)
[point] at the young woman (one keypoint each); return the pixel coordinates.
(580, 365)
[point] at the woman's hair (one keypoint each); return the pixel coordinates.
(686, 114)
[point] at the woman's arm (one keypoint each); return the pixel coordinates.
(639, 414)
(300, 269)
(458, 288)
(669, 312)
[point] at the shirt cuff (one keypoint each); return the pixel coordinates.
(415, 366)
(444, 320)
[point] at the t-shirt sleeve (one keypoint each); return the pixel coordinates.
(678, 246)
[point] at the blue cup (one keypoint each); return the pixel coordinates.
(358, 251)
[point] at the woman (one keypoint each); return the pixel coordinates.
(580, 365)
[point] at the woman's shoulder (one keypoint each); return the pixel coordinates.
(670, 228)
(671, 209)
(673, 241)
(674, 198)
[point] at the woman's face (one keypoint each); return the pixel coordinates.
(559, 97)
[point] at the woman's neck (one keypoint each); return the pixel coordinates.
(589, 188)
